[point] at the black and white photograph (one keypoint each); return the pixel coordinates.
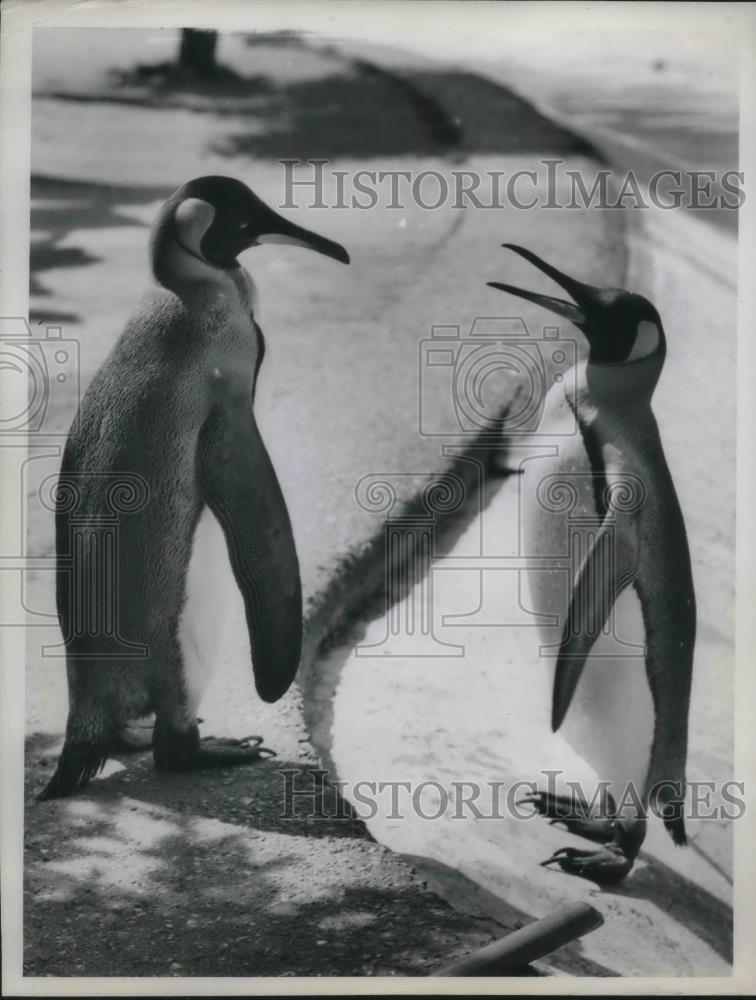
(377, 497)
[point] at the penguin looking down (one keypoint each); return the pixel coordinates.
(169, 419)
(614, 598)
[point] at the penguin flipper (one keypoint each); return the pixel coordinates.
(608, 568)
(238, 482)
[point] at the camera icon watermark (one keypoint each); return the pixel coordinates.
(412, 530)
(571, 519)
(49, 365)
(495, 376)
(88, 570)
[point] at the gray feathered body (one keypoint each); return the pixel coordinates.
(166, 427)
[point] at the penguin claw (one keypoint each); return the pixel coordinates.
(226, 751)
(600, 830)
(232, 741)
(610, 864)
(253, 743)
(572, 814)
(555, 807)
(251, 740)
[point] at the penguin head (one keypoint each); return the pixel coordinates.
(623, 329)
(214, 219)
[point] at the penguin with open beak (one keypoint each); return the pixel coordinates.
(618, 625)
(170, 417)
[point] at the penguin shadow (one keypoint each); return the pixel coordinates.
(687, 903)
(60, 207)
(270, 795)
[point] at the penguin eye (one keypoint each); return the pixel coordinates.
(244, 225)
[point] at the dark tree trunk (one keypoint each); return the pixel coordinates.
(197, 52)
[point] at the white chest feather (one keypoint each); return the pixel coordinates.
(213, 603)
(610, 721)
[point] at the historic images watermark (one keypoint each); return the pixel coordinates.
(86, 564)
(48, 364)
(482, 391)
(312, 794)
(465, 375)
(550, 184)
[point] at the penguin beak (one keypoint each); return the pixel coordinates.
(574, 313)
(280, 231)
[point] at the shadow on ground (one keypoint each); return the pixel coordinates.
(689, 904)
(202, 875)
(366, 112)
(354, 109)
(59, 207)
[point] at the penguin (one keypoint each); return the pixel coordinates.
(167, 430)
(616, 607)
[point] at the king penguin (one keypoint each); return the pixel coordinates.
(168, 421)
(610, 579)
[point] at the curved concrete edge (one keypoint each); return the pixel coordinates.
(702, 247)
(648, 236)
(357, 580)
(674, 229)
(353, 592)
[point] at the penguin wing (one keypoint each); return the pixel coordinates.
(238, 482)
(608, 568)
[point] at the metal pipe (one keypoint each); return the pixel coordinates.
(513, 952)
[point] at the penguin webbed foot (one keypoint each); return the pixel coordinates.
(574, 815)
(610, 863)
(219, 751)
(607, 865)
(183, 750)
